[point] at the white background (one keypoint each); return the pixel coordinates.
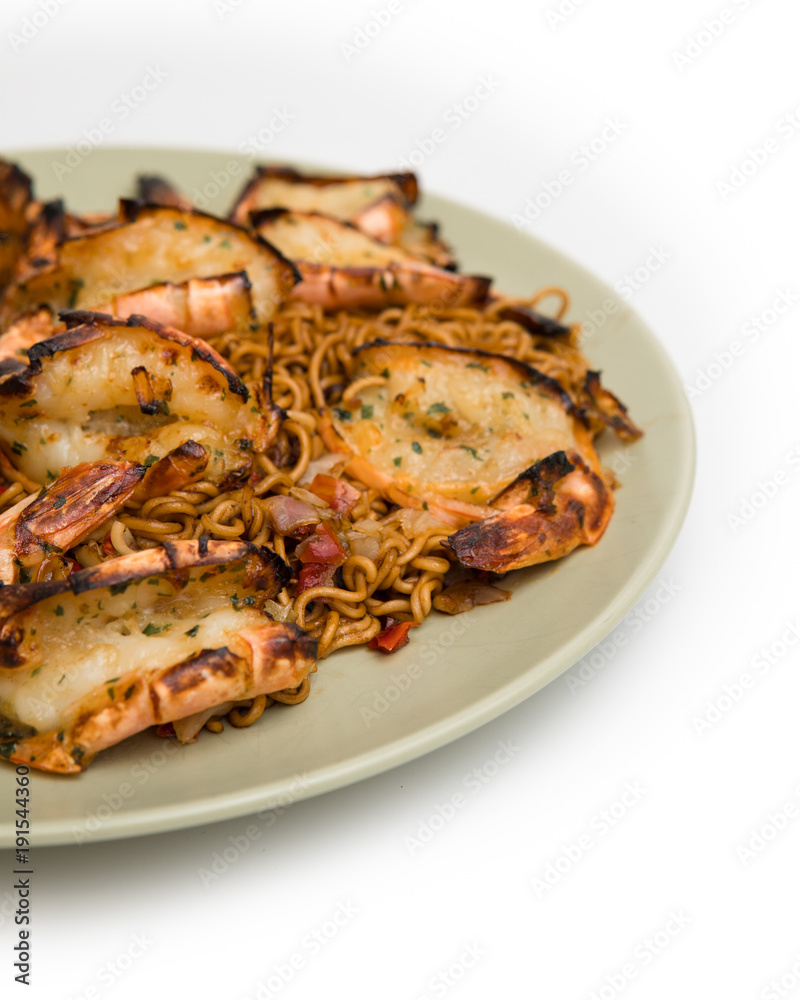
(692, 109)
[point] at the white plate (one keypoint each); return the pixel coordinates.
(366, 712)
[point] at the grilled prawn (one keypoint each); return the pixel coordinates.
(35, 532)
(146, 638)
(343, 198)
(484, 443)
(109, 389)
(342, 268)
(15, 201)
(150, 245)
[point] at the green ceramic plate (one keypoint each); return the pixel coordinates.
(368, 713)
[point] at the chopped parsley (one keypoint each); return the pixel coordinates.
(77, 285)
(416, 447)
(242, 602)
(438, 408)
(151, 629)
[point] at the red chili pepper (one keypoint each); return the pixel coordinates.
(3, 489)
(340, 496)
(322, 547)
(393, 637)
(165, 729)
(74, 565)
(314, 575)
(108, 547)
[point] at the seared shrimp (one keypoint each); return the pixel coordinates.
(151, 245)
(342, 268)
(146, 638)
(27, 331)
(481, 442)
(15, 200)
(341, 198)
(556, 505)
(202, 307)
(115, 389)
(37, 530)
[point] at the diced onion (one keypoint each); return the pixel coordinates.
(187, 729)
(306, 496)
(464, 596)
(416, 522)
(367, 526)
(325, 464)
(288, 513)
(280, 612)
(364, 545)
